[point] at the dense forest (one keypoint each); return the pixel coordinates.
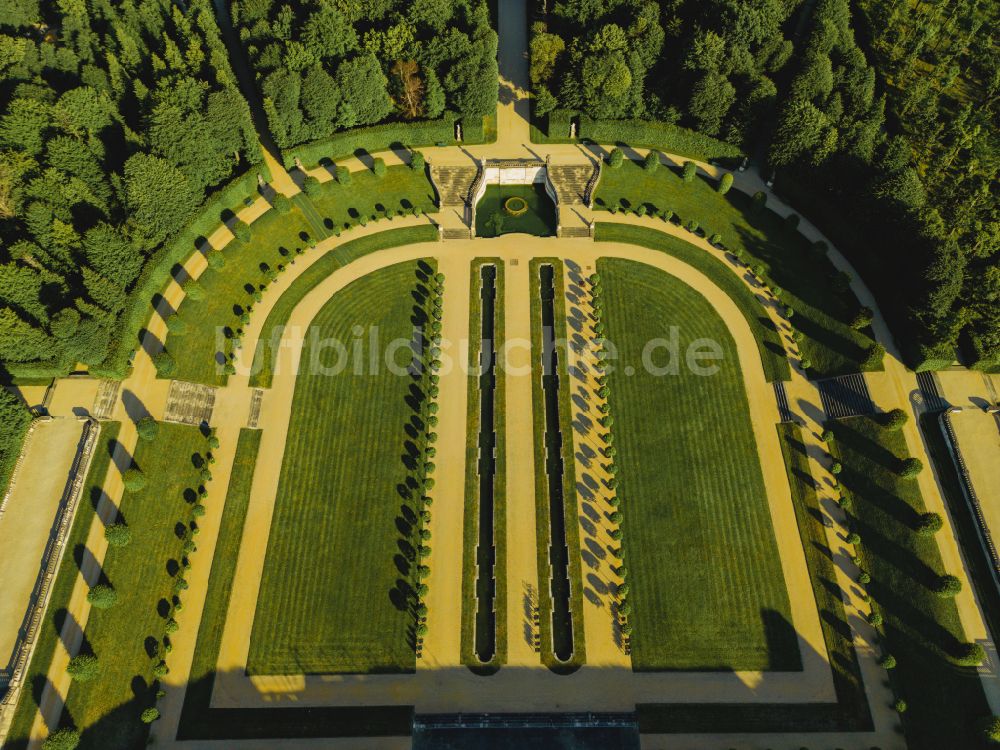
(116, 117)
(328, 65)
(881, 124)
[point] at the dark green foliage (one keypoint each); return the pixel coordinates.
(83, 668)
(725, 183)
(118, 535)
(895, 419)
(910, 467)
(281, 203)
(929, 524)
(113, 127)
(948, 586)
(16, 420)
(324, 68)
(652, 161)
(689, 171)
(102, 596)
(311, 187)
(147, 427)
(615, 158)
(63, 739)
(241, 230)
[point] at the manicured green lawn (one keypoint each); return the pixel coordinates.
(691, 486)
(201, 722)
(822, 309)
(922, 630)
(539, 218)
(338, 577)
(371, 197)
(62, 589)
(772, 351)
(470, 531)
(215, 319)
(339, 257)
(275, 240)
(125, 638)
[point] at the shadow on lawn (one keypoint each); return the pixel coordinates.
(405, 594)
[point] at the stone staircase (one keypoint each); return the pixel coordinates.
(571, 182)
(454, 183)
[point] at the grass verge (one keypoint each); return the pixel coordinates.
(338, 257)
(128, 639)
(823, 305)
(470, 529)
(691, 484)
(62, 589)
(772, 352)
(922, 630)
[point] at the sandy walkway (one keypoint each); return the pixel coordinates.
(28, 519)
(442, 645)
(602, 631)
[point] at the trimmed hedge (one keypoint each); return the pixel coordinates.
(659, 135)
(15, 420)
(156, 273)
(381, 137)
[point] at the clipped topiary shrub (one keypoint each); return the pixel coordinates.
(417, 160)
(311, 187)
(725, 183)
(133, 479)
(83, 667)
(689, 170)
(652, 162)
(948, 586)
(378, 167)
(863, 318)
(895, 419)
(241, 230)
(63, 739)
(281, 203)
(118, 535)
(616, 158)
(910, 468)
(929, 524)
(102, 596)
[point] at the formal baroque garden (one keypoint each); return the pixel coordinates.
(562, 360)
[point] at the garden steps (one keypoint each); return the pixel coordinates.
(570, 182)
(453, 183)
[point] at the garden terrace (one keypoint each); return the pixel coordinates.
(346, 512)
(128, 639)
(264, 358)
(731, 614)
(823, 305)
(772, 352)
(921, 629)
(229, 291)
(62, 590)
